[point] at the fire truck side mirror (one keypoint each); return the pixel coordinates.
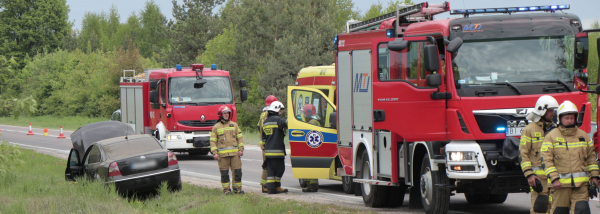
(434, 80)
(432, 58)
(153, 85)
(153, 96)
(243, 94)
(397, 45)
(243, 83)
(454, 45)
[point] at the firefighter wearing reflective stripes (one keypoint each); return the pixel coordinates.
(227, 145)
(569, 162)
(530, 156)
(263, 116)
(309, 113)
(273, 133)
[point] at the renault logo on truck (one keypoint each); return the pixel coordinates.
(202, 118)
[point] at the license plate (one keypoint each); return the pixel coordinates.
(514, 131)
(143, 165)
(202, 133)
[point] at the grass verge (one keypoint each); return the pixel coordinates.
(51, 122)
(34, 183)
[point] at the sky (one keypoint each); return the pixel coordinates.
(587, 10)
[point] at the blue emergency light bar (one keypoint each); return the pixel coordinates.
(547, 8)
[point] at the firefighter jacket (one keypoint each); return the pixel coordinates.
(568, 156)
(273, 133)
(531, 143)
(226, 139)
(263, 117)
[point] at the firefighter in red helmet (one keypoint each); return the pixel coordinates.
(263, 116)
(227, 146)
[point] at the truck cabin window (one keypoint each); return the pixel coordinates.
(516, 60)
(217, 90)
(402, 65)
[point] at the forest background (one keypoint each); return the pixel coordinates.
(50, 67)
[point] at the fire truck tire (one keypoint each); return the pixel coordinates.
(302, 183)
(477, 198)
(396, 196)
(498, 198)
(434, 200)
(348, 184)
(373, 195)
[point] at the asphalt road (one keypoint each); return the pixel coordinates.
(206, 168)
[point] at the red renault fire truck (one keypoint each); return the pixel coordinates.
(178, 105)
(438, 105)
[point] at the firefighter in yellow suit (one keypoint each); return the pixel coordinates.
(309, 111)
(531, 143)
(263, 116)
(227, 146)
(569, 162)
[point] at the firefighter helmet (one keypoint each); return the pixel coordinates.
(309, 110)
(543, 104)
(270, 99)
(222, 110)
(276, 106)
(567, 107)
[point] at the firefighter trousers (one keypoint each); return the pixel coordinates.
(263, 177)
(540, 202)
(275, 169)
(234, 164)
(573, 199)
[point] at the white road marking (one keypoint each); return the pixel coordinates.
(44, 148)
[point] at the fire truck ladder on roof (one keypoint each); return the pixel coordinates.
(423, 11)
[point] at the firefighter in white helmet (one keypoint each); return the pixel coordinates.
(569, 162)
(273, 134)
(530, 157)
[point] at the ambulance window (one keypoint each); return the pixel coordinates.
(312, 108)
(325, 91)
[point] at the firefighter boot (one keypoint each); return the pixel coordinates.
(313, 186)
(238, 190)
(264, 189)
(281, 190)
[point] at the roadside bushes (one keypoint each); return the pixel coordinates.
(9, 158)
(74, 83)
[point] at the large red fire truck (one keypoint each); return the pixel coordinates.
(438, 105)
(178, 105)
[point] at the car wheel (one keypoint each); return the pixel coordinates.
(434, 200)
(373, 195)
(348, 184)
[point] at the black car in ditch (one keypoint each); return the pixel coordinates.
(134, 163)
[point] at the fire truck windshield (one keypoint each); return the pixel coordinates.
(217, 90)
(519, 60)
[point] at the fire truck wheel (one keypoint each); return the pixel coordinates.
(302, 183)
(498, 198)
(435, 200)
(396, 196)
(477, 198)
(373, 195)
(348, 184)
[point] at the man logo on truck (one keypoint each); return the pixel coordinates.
(361, 83)
(472, 28)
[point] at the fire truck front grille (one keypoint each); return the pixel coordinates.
(198, 123)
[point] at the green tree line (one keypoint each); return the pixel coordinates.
(71, 70)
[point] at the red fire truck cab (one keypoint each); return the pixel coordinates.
(437, 105)
(178, 105)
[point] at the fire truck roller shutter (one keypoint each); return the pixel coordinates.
(362, 99)
(344, 98)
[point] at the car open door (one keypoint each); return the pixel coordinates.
(74, 168)
(313, 140)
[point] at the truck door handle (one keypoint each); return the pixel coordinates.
(297, 133)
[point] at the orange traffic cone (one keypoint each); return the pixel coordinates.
(61, 135)
(30, 131)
